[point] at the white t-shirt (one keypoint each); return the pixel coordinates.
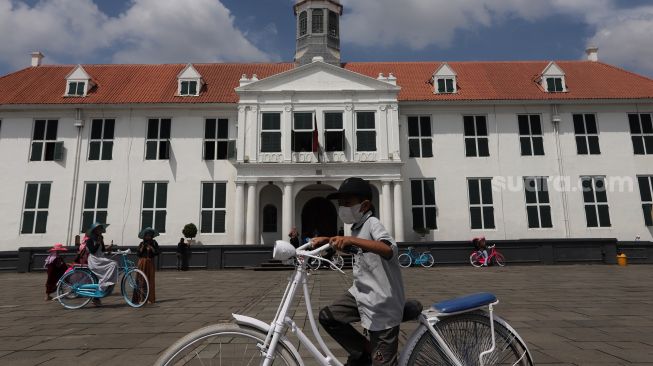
(378, 287)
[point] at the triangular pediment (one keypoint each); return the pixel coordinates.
(318, 76)
(189, 72)
(445, 70)
(552, 69)
(78, 73)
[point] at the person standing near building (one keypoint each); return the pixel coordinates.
(376, 298)
(56, 267)
(147, 250)
(182, 255)
(104, 268)
(294, 237)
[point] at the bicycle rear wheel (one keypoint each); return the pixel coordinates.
(66, 289)
(405, 260)
(135, 288)
(468, 335)
(475, 260)
(223, 344)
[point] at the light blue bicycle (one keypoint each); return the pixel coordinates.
(79, 285)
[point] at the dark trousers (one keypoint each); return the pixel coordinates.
(381, 347)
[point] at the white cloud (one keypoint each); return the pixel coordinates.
(624, 39)
(623, 35)
(421, 23)
(150, 31)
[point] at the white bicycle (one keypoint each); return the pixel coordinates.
(459, 332)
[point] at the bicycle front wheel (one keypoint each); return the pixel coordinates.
(135, 288)
(468, 335)
(404, 260)
(223, 344)
(66, 289)
(427, 260)
(500, 259)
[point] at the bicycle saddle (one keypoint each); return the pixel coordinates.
(412, 309)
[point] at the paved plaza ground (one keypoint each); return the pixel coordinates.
(569, 315)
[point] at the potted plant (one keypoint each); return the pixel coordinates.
(189, 232)
(422, 232)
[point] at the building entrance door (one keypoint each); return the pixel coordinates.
(319, 216)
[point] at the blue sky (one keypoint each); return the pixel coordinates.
(166, 31)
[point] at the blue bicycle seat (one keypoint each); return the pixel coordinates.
(464, 303)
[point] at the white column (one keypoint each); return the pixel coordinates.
(239, 213)
(399, 212)
(286, 133)
(242, 135)
(287, 208)
(252, 203)
(386, 216)
(382, 135)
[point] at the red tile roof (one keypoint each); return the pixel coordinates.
(133, 84)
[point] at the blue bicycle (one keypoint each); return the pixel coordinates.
(411, 257)
(79, 285)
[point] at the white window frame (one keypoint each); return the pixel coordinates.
(595, 204)
(36, 208)
(95, 208)
(45, 140)
(424, 206)
(158, 139)
(539, 181)
(587, 135)
(476, 136)
(454, 90)
(420, 136)
(373, 130)
(217, 140)
(101, 140)
(302, 130)
(641, 135)
(554, 77)
(76, 82)
(213, 209)
(323, 21)
(263, 131)
(198, 86)
(531, 136)
(154, 207)
(481, 205)
(648, 212)
(344, 139)
(299, 24)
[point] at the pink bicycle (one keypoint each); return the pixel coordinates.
(493, 257)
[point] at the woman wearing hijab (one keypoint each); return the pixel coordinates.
(56, 267)
(103, 267)
(147, 250)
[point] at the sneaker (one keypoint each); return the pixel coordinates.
(97, 302)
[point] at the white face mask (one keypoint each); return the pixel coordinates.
(350, 215)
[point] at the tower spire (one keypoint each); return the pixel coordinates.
(318, 31)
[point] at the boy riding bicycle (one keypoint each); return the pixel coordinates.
(376, 298)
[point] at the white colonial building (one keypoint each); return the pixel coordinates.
(247, 151)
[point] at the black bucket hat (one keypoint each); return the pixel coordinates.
(353, 187)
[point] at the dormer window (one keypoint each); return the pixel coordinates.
(78, 83)
(189, 82)
(76, 89)
(444, 80)
(446, 85)
(553, 79)
(333, 24)
(554, 85)
(188, 87)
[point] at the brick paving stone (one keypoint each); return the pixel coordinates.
(569, 315)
